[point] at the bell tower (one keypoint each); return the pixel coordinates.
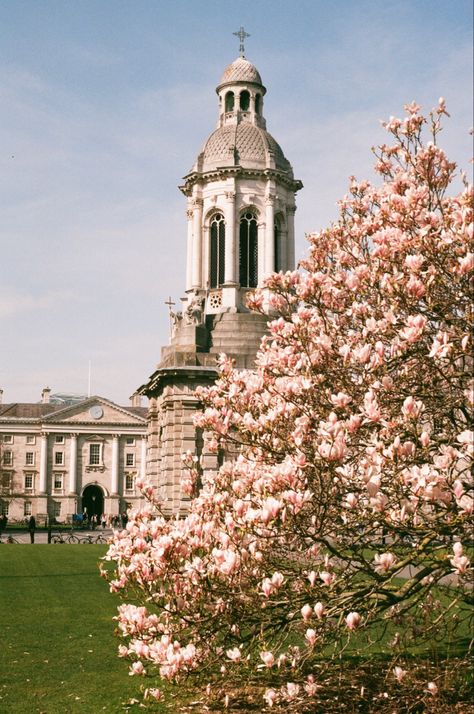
(240, 195)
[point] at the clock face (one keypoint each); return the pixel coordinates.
(96, 412)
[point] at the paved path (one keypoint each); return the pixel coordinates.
(42, 536)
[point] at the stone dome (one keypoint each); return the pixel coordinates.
(241, 70)
(244, 145)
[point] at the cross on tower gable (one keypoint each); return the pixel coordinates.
(241, 34)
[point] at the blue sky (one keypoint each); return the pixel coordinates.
(104, 105)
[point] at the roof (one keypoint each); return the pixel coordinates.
(241, 70)
(243, 145)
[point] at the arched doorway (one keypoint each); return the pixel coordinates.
(93, 501)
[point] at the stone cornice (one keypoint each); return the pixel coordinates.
(224, 172)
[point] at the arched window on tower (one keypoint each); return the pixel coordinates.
(278, 246)
(229, 102)
(244, 100)
(248, 254)
(217, 250)
(257, 103)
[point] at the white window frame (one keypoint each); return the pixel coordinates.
(27, 508)
(7, 439)
(32, 477)
(29, 458)
(130, 441)
(5, 508)
(30, 439)
(129, 459)
(56, 509)
(59, 439)
(97, 456)
(59, 462)
(7, 458)
(58, 482)
(129, 483)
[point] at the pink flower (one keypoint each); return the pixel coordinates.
(384, 561)
(310, 636)
(432, 688)
(306, 612)
(234, 654)
(267, 658)
(270, 697)
(319, 610)
(326, 577)
(399, 673)
(352, 620)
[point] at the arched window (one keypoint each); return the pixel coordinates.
(248, 255)
(244, 100)
(217, 250)
(229, 102)
(277, 242)
(257, 104)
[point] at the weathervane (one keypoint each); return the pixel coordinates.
(241, 34)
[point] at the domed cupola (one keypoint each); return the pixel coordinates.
(241, 198)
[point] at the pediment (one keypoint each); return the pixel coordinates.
(97, 410)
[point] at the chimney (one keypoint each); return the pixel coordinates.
(45, 395)
(136, 400)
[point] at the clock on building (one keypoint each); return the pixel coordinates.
(96, 412)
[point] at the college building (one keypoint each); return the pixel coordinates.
(66, 456)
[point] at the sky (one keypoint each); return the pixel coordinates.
(104, 106)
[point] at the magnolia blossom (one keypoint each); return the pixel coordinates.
(353, 620)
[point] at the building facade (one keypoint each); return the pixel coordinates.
(240, 196)
(59, 460)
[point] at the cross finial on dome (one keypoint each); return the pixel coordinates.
(241, 34)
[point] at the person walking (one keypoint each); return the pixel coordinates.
(32, 528)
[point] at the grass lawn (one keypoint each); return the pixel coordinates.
(58, 651)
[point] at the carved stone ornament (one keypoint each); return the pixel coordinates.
(194, 313)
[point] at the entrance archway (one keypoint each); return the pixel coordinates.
(93, 501)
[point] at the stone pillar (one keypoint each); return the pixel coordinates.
(230, 240)
(189, 253)
(143, 459)
(290, 217)
(73, 465)
(115, 465)
(43, 464)
(197, 243)
(269, 236)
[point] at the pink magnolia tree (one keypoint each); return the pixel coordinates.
(346, 513)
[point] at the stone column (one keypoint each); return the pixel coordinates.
(115, 465)
(189, 248)
(269, 235)
(43, 464)
(143, 459)
(73, 465)
(290, 217)
(230, 240)
(197, 243)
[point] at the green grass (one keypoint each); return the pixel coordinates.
(58, 651)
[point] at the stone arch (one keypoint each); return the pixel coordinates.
(93, 500)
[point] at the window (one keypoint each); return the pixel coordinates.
(30, 458)
(229, 102)
(27, 508)
(4, 507)
(128, 482)
(56, 509)
(257, 103)
(8, 458)
(28, 482)
(129, 459)
(217, 250)
(94, 454)
(130, 441)
(5, 482)
(59, 439)
(248, 251)
(30, 439)
(8, 438)
(244, 100)
(277, 240)
(58, 482)
(59, 458)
